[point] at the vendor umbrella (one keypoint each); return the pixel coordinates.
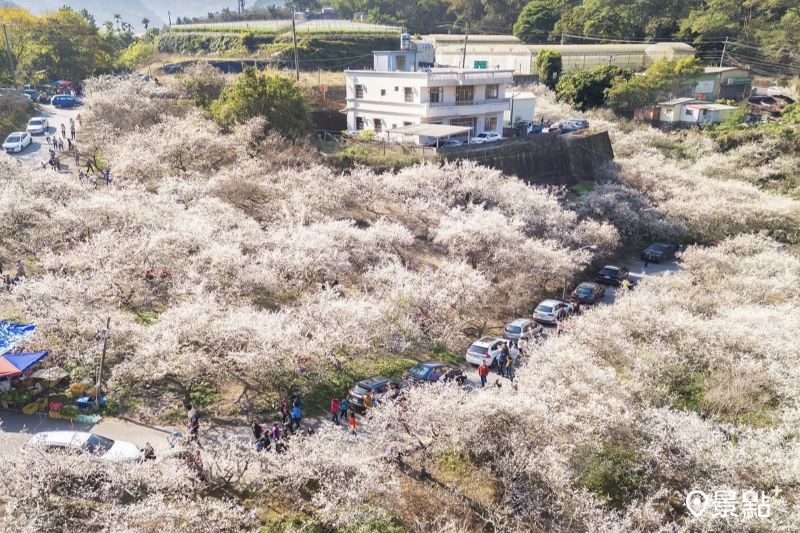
(23, 361)
(7, 369)
(50, 374)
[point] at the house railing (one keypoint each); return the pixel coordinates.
(469, 102)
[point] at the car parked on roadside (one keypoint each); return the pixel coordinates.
(485, 350)
(522, 329)
(569, 125)
(433, 371)
(611, 275)
(82, 442)
(486, 137)
(659, 251)
(17, 141)
(65, 100)
(37, 126)
(588, 293)
(376, 386)
(548, 311)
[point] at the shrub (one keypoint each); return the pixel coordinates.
(614, 472)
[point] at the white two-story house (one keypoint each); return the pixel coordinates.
(399, 93)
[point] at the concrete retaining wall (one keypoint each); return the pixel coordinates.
(545, 159)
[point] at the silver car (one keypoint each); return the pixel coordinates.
(522, 329)
(37, 126)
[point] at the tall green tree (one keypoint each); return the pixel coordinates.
(586, 89)
(548, 66)
(279, 99)
(661, 80)
(537, 20)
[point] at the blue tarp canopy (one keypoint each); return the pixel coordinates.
(11, 333)
(23, 361)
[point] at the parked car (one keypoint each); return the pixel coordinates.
(522, 328)
(548, 311)
(485, 350)
(450, 143)
(31, 94)
(611, 275)
(659, 251)
(84, 443)
(37, 126)
(377, 386)
(571, 124)
(432, 371)
(65, 100)
(17, 141)
(588, 293)
(486, 137)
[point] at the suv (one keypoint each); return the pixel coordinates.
(522, 328)
(659, 251)
(611, 275)
(64, 100)
(548, 311)
(433, 371)
(377, 387)
(485, 350)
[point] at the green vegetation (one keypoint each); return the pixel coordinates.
(350, 156)
(662, 79)
(536, 20)
(14, 113)
(582, 187)
(586, 89)
(548, 66)
(137, 54)
(279, 99)
(202, 393)
(614, 472)
(318, 391)
(63, 44)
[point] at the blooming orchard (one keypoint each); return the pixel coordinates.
(233, 260)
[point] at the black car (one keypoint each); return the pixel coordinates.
(611, 275)
(588, 293)
(378, 387)
(659, 251)
(433, 371)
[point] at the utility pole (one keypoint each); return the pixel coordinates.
(10, 56)
(466, 39)
(294, 44)
(169, 17)
(104, 335)
(562, 37)
(724, 49)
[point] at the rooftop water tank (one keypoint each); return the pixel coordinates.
(405, 41)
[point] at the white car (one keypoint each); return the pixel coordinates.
(547, 311)
(486, 137)
(37, 126)
(521, 329)
(17, 141)
(485, 350)
(83, 442)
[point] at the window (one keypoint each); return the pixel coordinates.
(435, 95)
(408, 92)
(492, 91)
(383, 92)
(401, 62)
(465, 93)
(396, 89)
(378, 125)
(359, 91)
(359, 123)
(406, 123)
(490, 124)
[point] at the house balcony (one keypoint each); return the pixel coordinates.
(429, 110)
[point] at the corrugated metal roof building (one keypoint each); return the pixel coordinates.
(521, 58)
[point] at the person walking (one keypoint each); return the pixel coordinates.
(335, 408)
(510, 368)
(483, 372)
(63, 130)
(284, 412)
(193, 423)
(559, 326)
(297, 415)
(258, 430)
(148, 453)
(275, 432)
(646, 263)
(296, 401)
(501, 361)
(20, 268)
(366, 400)
(344, 406)
(72, 132)
(107, 175)
(351, 422)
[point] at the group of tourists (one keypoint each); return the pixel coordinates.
(509, 353)
(63, 143)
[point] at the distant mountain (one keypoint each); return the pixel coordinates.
(133, 11)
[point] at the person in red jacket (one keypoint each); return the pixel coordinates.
(335, 407)
(483, 371)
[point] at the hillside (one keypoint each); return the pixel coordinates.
(214, 253)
